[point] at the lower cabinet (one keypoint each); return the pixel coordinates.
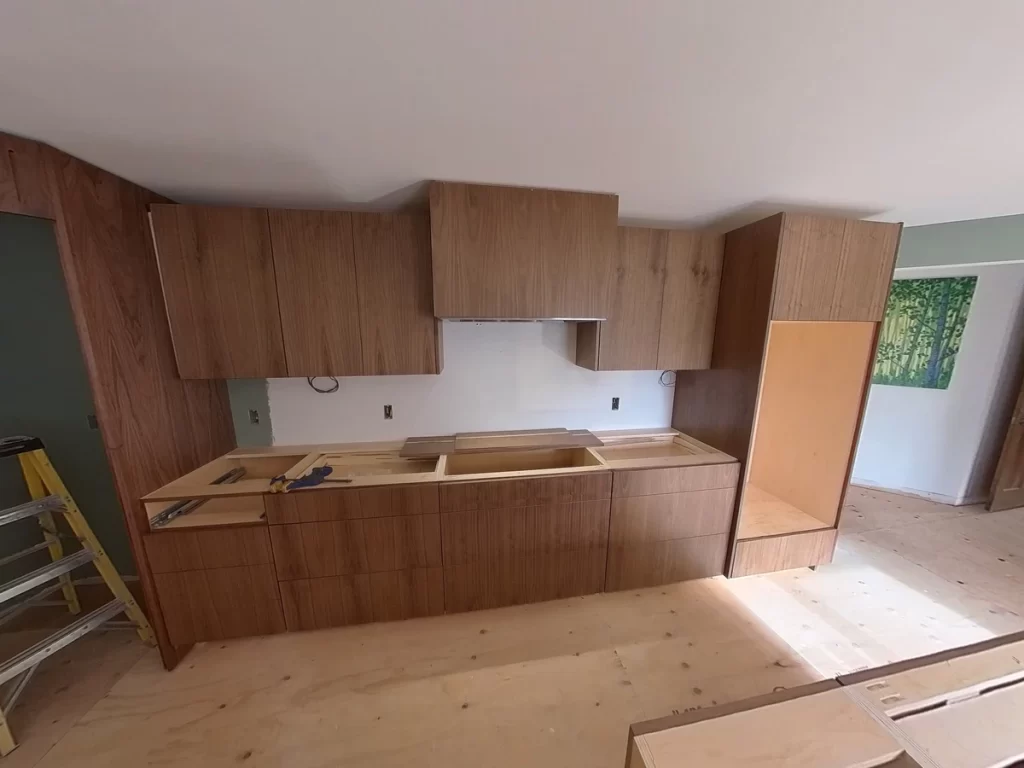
(660, 538)
(214, 584)
(495, 557)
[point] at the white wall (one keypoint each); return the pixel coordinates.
(944, 443)
(496, 376)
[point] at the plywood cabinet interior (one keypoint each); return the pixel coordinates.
(513, 252)
(217, 270)
(664, 295)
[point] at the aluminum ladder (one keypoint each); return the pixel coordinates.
(35, 588)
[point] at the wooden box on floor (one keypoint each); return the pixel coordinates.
(800, 305)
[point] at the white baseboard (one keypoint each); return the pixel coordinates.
(937, 497)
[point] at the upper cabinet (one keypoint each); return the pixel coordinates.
(664, 293)
(218, 279)
(253, 293)
(509, 252)
(833, 269)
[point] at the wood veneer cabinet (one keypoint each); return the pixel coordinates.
(515, 252)
(664, 294)
(258, 293)
(799, 308)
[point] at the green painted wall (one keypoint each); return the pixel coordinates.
(962, 242)
(246, 394)
(44, 390)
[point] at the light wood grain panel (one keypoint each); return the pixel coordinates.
(646, 519)
(865, 270)
(779, 553)
(219, 286)
(666, 562)
(315, 272)
(407, 594)
(524, 492)
(396, 314)
(628, 340)
(805, 281)
(693, 274)
(646, 482)
(208, 548)
(352, 503)
(811, 395)
(220, 603)
(506, 252)
(334, 601)
(25, 186)
(717, 406)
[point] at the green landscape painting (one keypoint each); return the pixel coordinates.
(922, 331)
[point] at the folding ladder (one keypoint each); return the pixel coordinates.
(50, 497)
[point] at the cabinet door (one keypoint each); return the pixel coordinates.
(219, 287)
(316, 288)
(628, 340)
(399, 331)
(833, 269)
(693, 274)
(508, 252)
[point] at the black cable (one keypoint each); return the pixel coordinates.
(332, 388)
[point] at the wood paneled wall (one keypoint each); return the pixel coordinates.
(155, 426)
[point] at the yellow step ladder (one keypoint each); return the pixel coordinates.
(32, 589)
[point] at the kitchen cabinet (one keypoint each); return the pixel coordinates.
(511, 252)
(217, 271)
(315, 263)
(800, 306)
(664, 296)
(508, 542)
(257, 293)
(215, 584)
(669, 524)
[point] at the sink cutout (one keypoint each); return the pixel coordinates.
(519, 461)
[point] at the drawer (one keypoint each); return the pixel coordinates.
(780, 553)
(646, 519)
(525, 492)
(319, 504)
(665, 562)
(219, 603)
(175, 551)
(647, 482)
(313, 550)
(338, 601)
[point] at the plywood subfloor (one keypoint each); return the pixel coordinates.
(766, 515)
(554, 684)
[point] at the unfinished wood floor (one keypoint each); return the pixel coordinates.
(554, 684)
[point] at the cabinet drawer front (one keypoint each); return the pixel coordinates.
(314, 550)
(779, 553)
(338, 601)
(219, 603)
(663, 517)
(515, 581)
(647, 482)
(665, 562)
(494, 534)
(351, 503)
(525, 492)
(175, 551)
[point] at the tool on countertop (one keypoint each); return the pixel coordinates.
(315, 476)
(184, 507)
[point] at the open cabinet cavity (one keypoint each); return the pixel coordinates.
(812, 384)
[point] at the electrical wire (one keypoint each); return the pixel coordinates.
(328, 390)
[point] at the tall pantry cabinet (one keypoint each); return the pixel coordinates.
(800, 306)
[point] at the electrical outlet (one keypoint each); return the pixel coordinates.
(615, 403)
(254, 416)
(388, 413)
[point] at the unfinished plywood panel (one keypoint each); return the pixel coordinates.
(812, 390)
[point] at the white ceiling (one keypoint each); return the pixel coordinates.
(690, 110)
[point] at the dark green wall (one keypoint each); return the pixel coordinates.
(44, 390)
